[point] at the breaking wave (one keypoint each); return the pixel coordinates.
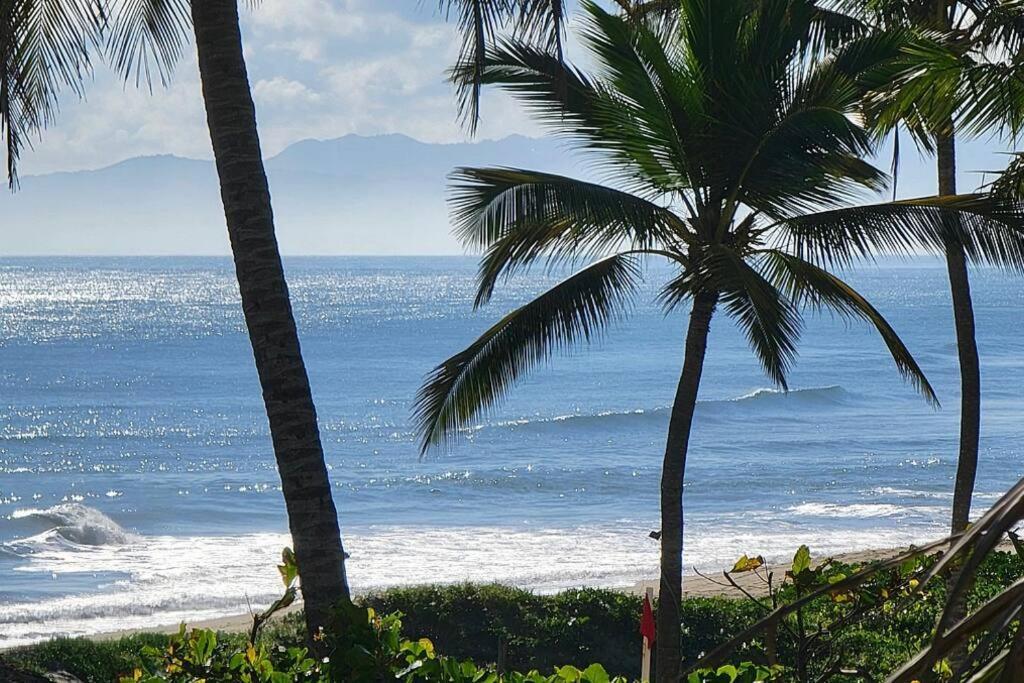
(861, 510)
(73, 523)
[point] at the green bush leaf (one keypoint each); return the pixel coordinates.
(801, 561)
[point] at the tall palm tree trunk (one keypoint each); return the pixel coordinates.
(967, 349)
(669, 627)
(970, 376)
(231, 116)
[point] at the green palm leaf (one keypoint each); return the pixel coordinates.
(147, 36)
(993, 97)
(808, 285)
(641, 143)
(1010, 183)
(767, 316)
(1001, 22)
(989, 228)
(540, 22)
(574, 310)
(519, 216)
(45, 47)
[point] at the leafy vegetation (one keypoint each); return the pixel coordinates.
(978, 635)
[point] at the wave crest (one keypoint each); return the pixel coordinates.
(814, 395)
(75, 523)
(862, 510)
(763, 398)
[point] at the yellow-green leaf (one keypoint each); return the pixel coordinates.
(747, 564)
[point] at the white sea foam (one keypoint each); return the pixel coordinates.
(193, 578)
(861, 510)
(910, 493)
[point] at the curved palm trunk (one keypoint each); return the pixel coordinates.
(669, 634)
(231, 116)
(967, 348)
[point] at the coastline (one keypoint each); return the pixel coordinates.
(704, 585)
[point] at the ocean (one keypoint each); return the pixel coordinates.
(137, 482)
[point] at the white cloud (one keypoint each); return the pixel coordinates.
(283, 92)
(337, 17)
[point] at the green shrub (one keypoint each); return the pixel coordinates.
(474, 621)
(90, 660)
(370, 650)
(200, 655)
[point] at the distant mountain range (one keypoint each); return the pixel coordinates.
(351, 195)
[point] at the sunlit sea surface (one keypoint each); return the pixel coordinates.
(137, 483)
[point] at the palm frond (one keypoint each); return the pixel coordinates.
(992, 98)
(793, 131)
(965, 555)
(519, 216)
(654, 96)
(147, 37)
(574, 310)
(808, 285)
(478, 21)
(1010, 182)
(540, 23)
(999, 22)
(663, 13)
(924, 91)
(989, 228)
(831, 28)
(631, 129)
(770, 320)
(45, 47)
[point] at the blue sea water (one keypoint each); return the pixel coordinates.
(137, 482)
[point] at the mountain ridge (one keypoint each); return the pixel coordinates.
(354, 194)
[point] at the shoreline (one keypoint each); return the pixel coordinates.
(705, 585)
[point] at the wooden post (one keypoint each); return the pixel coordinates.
(645, 663)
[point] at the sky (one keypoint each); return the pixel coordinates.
(318, 69)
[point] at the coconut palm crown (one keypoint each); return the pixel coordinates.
(733, 151)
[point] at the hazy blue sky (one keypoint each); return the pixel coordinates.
(319, 68)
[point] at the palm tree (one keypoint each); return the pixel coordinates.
(46, 44)
(729, 127)
(231, 117)
(967, 81)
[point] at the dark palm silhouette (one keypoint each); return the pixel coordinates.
(46, 45)
(733, 128)
(961, 78)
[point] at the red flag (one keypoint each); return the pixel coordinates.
(647, 622)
